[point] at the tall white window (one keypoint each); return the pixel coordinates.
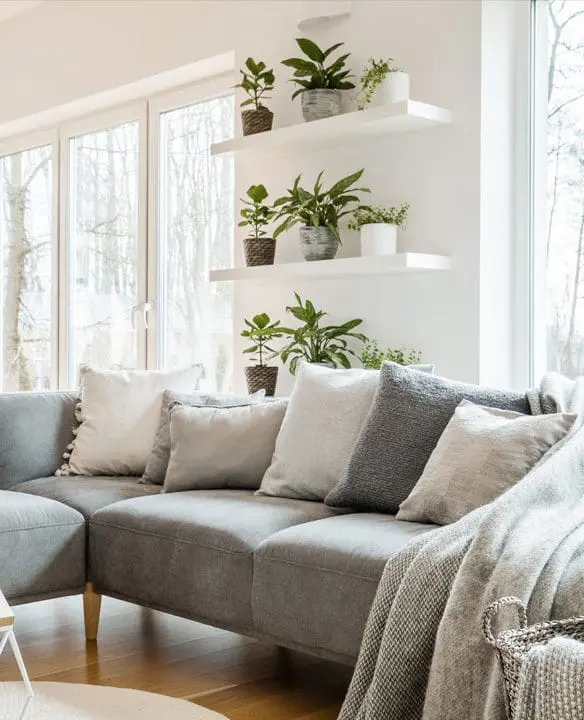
(107, 235)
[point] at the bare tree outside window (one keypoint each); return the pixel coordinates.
(565, 232)
(25, 255)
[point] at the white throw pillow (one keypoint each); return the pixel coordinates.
(119, 413)
(326, 411)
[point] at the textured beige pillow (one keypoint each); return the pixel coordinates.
(481, 454)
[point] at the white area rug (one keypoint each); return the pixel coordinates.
(69, 701)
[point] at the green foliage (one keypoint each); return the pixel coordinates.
(374, 73)
(314, 74)
(318, 343)
(366, 214)
(372, 357)
(260, 332)
(319, 208)
(256, 81)
(257, 214)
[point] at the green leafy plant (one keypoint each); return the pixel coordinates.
(372, 357)
(315, 342)
(374, 73)
(256, 81)
(319, 208)
(256, 214)
(260, 332)
(366, 214)
(314, 74)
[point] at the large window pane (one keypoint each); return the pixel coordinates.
(565, 232)
(25, 254)
(104, 193)
(196, 234)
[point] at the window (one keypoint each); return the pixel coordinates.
(108, 231)
(564, 236)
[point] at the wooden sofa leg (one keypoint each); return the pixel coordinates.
(91, 608)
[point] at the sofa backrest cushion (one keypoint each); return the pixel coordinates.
(35, 429)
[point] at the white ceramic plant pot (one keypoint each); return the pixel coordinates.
(395, 88)
(378, 239)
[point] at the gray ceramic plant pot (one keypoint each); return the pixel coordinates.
(319, 104)
(318, 243)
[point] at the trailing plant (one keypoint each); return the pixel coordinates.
(314, 74)
(373, 75)
(367, 214)
(319, 208)
(256, 81)
(372, 357)
(256, 214)
(315, 342)
(260, 332)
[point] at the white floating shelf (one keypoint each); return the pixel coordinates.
(312, 13)
(358, 126)
(342, 267)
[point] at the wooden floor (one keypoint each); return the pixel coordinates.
(146, 650)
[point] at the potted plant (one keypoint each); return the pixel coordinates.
(319, 84)
(260, 332)
(259, 249)
(316, 343)
(382, 83)
(378, 226)
(372, 357)
(318, 213)
(256, 81)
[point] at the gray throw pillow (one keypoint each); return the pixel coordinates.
(481, 454)
(221, 447)
(160, 453)
(409, 414)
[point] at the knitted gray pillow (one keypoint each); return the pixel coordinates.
(409, 413)
(157, 464)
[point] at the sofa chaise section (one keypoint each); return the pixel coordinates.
(190, 553)
(314, 585)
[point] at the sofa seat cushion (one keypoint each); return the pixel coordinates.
(86, 493)
(314, 585)
(42, 548)
(190, 552)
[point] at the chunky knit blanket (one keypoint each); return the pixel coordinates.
(423, 654)
(551, 683)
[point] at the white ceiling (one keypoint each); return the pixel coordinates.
(8, 8)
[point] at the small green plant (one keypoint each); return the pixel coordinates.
(256, 81)
(256, 214)
(319, 208)
(367, 214)
(260, 332)
(374, 73)
(372, 357)
(317, 343)
(314, 74)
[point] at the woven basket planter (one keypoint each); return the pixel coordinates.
(318, 243)
(259, 251)
(261, 377)
(319, 104)
(257, 121)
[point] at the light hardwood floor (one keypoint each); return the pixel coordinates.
(146, 650)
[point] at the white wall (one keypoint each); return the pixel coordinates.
(66, 50)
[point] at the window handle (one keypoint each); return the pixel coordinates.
(146, 308)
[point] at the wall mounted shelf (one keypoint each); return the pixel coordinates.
(401, 117)
(342, 267)
(312, 13)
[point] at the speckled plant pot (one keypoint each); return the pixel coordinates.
(261, 377)
(318, 243)
(319, 104)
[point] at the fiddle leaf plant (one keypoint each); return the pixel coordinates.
(374, 214)
(313, 73)
(316, 342)
(319, 207)
(256, 81)
(256, 214)
(260, 332)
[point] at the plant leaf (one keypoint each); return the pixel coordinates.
(311, 49)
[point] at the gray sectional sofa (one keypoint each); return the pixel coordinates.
(292, 572)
